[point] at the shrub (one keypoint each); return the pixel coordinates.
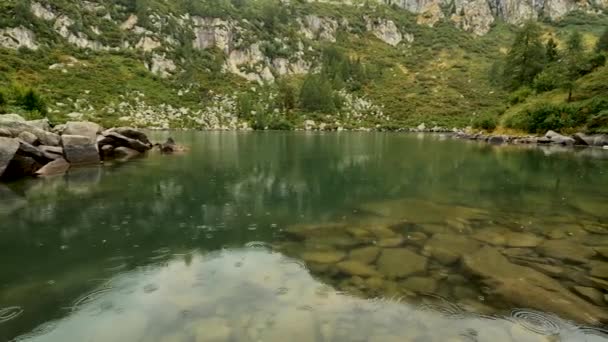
(598, 123)
(520, 95)
(281, 125)
(486, 121)
(31, 101)
(544, 117)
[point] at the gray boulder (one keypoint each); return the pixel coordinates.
(21, 166)
(8, 148)
(83, 128)
(496, 139)
(15, 127)
(51, 152)
(79, 149)
(557, 138)
(29, 138)
(107, 151)
(5, 133)
(43, 124)
(31, 151)
(128, 142)
(133, 134)
(56, 167)
(591, 140)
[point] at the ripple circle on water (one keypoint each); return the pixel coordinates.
(537, 322)
(11, 312)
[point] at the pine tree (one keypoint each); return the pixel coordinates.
(551, 54)
(573, 62)
(602, 43)
(526, 57)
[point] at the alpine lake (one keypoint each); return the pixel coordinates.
(300, 236)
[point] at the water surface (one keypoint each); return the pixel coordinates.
(311, 237)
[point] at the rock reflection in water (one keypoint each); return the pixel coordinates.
(252, 294)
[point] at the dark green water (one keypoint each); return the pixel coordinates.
(250, 237)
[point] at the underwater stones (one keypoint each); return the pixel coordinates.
(597, 282)
(390, 242)
(306, 231)
(462, 292)
(79, 149)
(527, 287)
(420, 284)
(400, 262)
(566, 250)
(212, 330)
(415, 238)
(603, 251)
(520, 240)
(590, 294)
(599, 270)
(330, 257)
(448, 248)
(492, 236)
(356, 268)
(366, 255)
(595, 229)
(416, 210)
(382, 232)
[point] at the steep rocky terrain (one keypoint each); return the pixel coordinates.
(191, 63)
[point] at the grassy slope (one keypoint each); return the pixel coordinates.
(441, 78)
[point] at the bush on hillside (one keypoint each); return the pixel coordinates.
(542, 118)
(520, 95)
(598, 123)
(485, 121)
(31, 101)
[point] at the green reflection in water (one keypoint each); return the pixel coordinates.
(62, 239)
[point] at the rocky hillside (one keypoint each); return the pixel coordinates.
(198, 63)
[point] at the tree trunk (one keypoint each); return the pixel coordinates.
(570, 95)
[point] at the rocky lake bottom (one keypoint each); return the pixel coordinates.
(311, 237)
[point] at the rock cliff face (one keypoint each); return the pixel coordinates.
(477, 16)
(249, 50)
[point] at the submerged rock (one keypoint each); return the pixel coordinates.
(590, 294)
(420, 284)
(514, 239)
(330, 257)
(449, 248)
(400, 262)
(526, 287)
(566, 250)
(366, 255)
(599, 270)
(356, 268)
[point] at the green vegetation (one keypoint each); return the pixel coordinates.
(555, 85)
(445, 77)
